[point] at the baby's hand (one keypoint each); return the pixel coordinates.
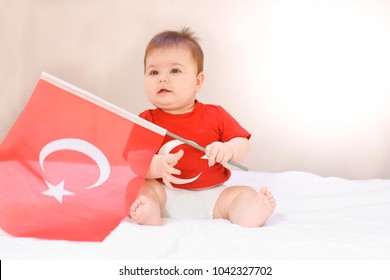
(166, 168)
(219, 152)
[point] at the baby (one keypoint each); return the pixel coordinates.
(183, 182)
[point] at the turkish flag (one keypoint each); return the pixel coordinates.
(72, 164)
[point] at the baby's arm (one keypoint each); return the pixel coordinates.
(236, 149)
(162, 166)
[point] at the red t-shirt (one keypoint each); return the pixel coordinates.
(204, 125)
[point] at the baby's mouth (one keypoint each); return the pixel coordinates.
(163, 90)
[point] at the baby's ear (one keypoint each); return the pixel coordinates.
(199, 81)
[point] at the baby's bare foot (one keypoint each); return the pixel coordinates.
(145, 211)
(259, 209)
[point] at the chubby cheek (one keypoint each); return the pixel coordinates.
(149, 90)
(149, 86)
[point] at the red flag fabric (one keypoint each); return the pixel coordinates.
(72, 164)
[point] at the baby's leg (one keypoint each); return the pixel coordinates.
(244, 206)
(146, 209)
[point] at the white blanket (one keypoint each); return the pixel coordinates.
(315, 218)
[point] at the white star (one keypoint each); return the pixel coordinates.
(57, 191)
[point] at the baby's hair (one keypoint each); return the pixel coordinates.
(184, 37)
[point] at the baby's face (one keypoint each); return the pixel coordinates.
(171, 79)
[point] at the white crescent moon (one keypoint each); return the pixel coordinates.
(169, 146)
(81, 146)
(166, 149)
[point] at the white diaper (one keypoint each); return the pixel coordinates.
(190, 204)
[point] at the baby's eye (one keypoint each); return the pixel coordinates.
(153, 72)
(175, 71)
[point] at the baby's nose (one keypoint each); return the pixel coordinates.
(163, 78)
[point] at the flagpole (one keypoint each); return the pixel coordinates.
(200, 148)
